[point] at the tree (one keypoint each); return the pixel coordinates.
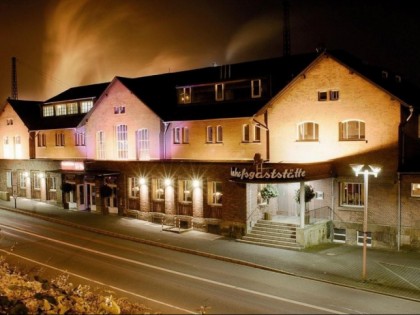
(269, 192)
(309, 194)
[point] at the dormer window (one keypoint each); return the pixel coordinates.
(256, 88)
(184, 95)
(48, 111)
(60, 109)
(220, 91)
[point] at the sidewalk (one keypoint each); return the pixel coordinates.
(389, 272)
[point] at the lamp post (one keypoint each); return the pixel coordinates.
(374, 170)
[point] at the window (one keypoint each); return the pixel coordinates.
(9, 121)
(220, 91)
(122, 142)
(360, 236)
(52, 183)
(158, 189)
(59, 139)
(185, 135)
(7, 150)
(184, 95)
(245, 133)
(339, 235)
(219, 134)
(72, 108)
(257, 133)
(415, 190)
(42, 140)
(48, 111)
(177, 135)
(133, 187)
(143, 145)
(119, 109)
(260, 199)
(37, 181)
(334, 95)
(17, 147)
(22, 180)
(255, 88)
(352, 130)
(80, 139)
(215, 192)
(9, 179)
(308, 131)
(100, 145)
(85, 106)
(209, 134)
(60, 109)
(351, 194)
(185, 190)
(322, 96)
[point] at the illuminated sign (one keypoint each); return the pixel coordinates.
(72, 166)
(288, 173)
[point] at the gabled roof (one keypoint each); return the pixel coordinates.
(159, 91)
(79, 93)
(28, 111)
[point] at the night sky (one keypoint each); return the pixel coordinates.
(59, 44)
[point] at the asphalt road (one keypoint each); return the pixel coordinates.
(174, 282)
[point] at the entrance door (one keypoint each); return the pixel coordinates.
(86, 196)
(81, 197)
(92, 198)
(111, 201)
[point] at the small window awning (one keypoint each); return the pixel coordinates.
(281, 172)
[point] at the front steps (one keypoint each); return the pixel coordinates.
(273, 234)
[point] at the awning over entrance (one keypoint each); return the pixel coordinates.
(281, 172)
(99, 173)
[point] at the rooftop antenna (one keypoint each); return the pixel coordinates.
(286, 28)
(14, 95)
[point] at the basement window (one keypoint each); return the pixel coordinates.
(339, 235)
(368, 238)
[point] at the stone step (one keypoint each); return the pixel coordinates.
(293, 246)
(272, 236)
(274, 230)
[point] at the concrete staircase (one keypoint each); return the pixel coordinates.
(273, 234)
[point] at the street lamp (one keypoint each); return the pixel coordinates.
(374, 170)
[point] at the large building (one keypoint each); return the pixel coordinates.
(200, 149)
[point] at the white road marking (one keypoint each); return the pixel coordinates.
(177, 273)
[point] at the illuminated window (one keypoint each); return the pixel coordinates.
(7, 150)
(143, 145)
(220, 91)
(219, 134)
(215, 192)
(256, 88)
(352, 130)
(42, 140)
(9, 122)
(334, 95)
(308, 131)
(257, 133)
(360, 236)
(48, 111)
(72, 108)
(415, 190)
(100, 145)
(184, 95)
(59, 139)
(60, 109)
(209, 134)
(158, 189)
(122, 141)
(133, 187)
(351, 194)
(9, 179)
(80, 139)
(119, 109)
(322, 96)
(85, 106)
(245, 133)
(17, 147)
(185, 190)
